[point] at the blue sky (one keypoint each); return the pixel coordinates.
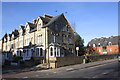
(91, 19)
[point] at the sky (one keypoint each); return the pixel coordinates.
(90, 19)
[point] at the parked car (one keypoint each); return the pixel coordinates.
(119, 58)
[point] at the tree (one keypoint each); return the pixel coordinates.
(92, 51)
(79, 42)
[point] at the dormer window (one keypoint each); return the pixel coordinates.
(93, 45)
(8, 38)
(20, 32)
(12, 36)
(109, 43)
(27, 29)
(98, 44)
(5, 40)
(89, 45)
(67, 28)
(39, 23)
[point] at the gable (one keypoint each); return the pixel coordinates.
(57, 23)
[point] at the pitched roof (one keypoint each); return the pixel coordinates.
(44, 19)
(15, 33)
(104, 41)
(33, 27)
(53, 20)
(61, 23)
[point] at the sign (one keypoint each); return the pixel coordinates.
(77, 48)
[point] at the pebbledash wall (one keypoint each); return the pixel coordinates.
(105, 45)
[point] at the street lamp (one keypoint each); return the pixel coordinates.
(77, 48)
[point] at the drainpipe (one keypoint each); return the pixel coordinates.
(45, 46)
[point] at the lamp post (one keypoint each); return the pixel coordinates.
(77, 48)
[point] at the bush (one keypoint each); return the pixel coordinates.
(17, 58)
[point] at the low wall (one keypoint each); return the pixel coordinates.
(34, 61)
(93, 58)
(56, 62)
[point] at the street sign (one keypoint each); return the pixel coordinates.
(77, 48)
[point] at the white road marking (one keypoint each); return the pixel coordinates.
(54, 72)
(69, 69)
(25, 77)
(36, 75)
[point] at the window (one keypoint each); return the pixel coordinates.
(98, 44)
(12, 45)
(51, 51)
(93, 45)
(21, 43)
(89, 45)
(55, 51)
(20, 32)
(69, 40)
(40, 39)
(27, 41)
(37, 52)
(110, 50)
(109, 43)
(32, 52)
(63, 37)
(67, 28)
(27, 29)
(8, 38)
(41, 52)
(27, 52)
(20, 53)
(53, 38)
(12, 36)
(99, 50)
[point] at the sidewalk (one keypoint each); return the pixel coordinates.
(43, 73)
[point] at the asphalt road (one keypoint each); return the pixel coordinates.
(111, 70)
(108, 70)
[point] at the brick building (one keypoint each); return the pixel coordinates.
(105, 45)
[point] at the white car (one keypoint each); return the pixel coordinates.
(119, 58)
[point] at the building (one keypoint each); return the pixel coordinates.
(43, 38)
(105, 45)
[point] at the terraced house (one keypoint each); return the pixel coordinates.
(105, 45)
(43, 38)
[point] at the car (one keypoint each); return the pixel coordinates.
(119, 58)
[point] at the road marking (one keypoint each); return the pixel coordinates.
(54, 72)
(25, 77)
(104, 73)
(69, 69)
(36, 75)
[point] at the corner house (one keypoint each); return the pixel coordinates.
(43, 38)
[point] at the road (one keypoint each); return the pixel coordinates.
(111, 70)
(107, 70)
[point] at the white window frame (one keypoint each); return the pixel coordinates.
(94, 45)
(52, 51)
(109, 43)
(110, 49)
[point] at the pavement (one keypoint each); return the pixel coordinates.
(44, 72)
